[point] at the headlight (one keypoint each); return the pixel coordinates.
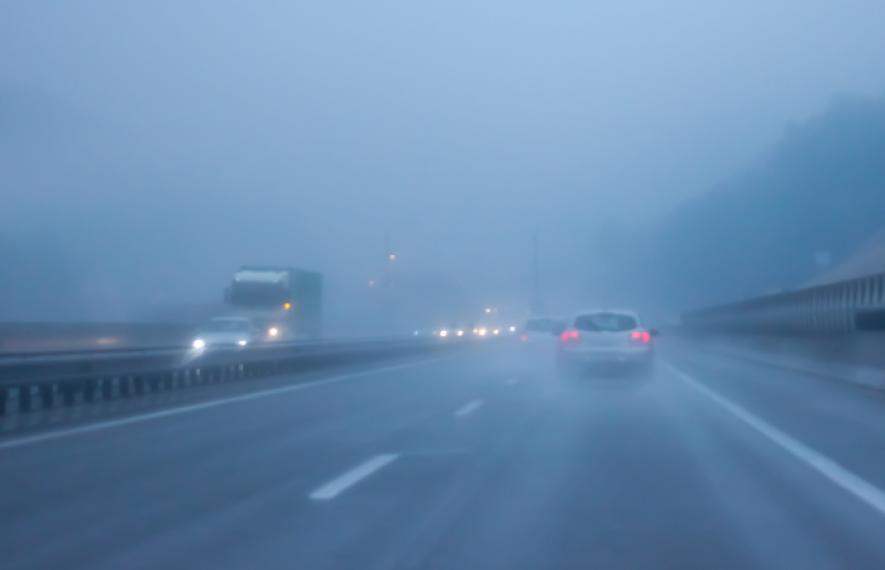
(496, 331)
(273, 331)
(460, 333)
(198, 343)
(242, 342)
(512, 328)
(481, 332)
(444, 333)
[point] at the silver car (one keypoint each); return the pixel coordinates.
(227, 332)
(606, 337)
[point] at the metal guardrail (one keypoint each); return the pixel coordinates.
(840, 308)
(53, 336)
(28, 382)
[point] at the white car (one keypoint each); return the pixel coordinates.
(606, 337)
(541, 332)
(537, 342)
(227, 332)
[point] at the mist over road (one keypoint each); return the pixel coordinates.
(479, 459)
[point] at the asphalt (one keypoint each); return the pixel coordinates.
(481, 459)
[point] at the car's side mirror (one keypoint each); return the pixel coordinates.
(654, 332)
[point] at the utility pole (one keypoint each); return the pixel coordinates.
(537, 305)
(389, 300)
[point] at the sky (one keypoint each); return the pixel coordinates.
(162, 144)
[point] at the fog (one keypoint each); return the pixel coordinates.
(147, 150)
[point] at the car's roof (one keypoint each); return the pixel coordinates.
(627, 312)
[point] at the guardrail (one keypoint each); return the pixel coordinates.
(835, 309)
(28, 382)
(53, 336)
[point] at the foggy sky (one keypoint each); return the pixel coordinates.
(172, 141)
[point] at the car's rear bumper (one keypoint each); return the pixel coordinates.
(598, 355)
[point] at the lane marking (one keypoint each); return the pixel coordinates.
(840, 476)
(469, 408)
(350, 478)
(109, 424)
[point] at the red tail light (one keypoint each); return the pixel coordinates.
(524, 337)
(569, 336)
(641, 336)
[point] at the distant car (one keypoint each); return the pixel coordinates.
(488, 330)
(228, 332)
(541, 331)
(612, 337)
(454, 331)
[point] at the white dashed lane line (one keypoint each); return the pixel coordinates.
(350, 478)
(468, 408)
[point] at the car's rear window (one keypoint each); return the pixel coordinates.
(541, 325)
(606, 322)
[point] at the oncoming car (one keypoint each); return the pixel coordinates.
(227, 332)
(608, 337)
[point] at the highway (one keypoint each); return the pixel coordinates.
(474, 459)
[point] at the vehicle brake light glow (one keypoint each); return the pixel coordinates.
(569, 336)
(641, 336)
(524, 337)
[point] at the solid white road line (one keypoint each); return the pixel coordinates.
(109, 424)
(469, 408)
(840, 476)
(343, 482)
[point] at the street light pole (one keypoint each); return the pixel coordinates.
(537, 305)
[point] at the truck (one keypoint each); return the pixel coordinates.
(286, 302)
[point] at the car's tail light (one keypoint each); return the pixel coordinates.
(524, 337)
(569, 336)
(641, 336)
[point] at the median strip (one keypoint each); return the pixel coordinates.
(160, 414)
